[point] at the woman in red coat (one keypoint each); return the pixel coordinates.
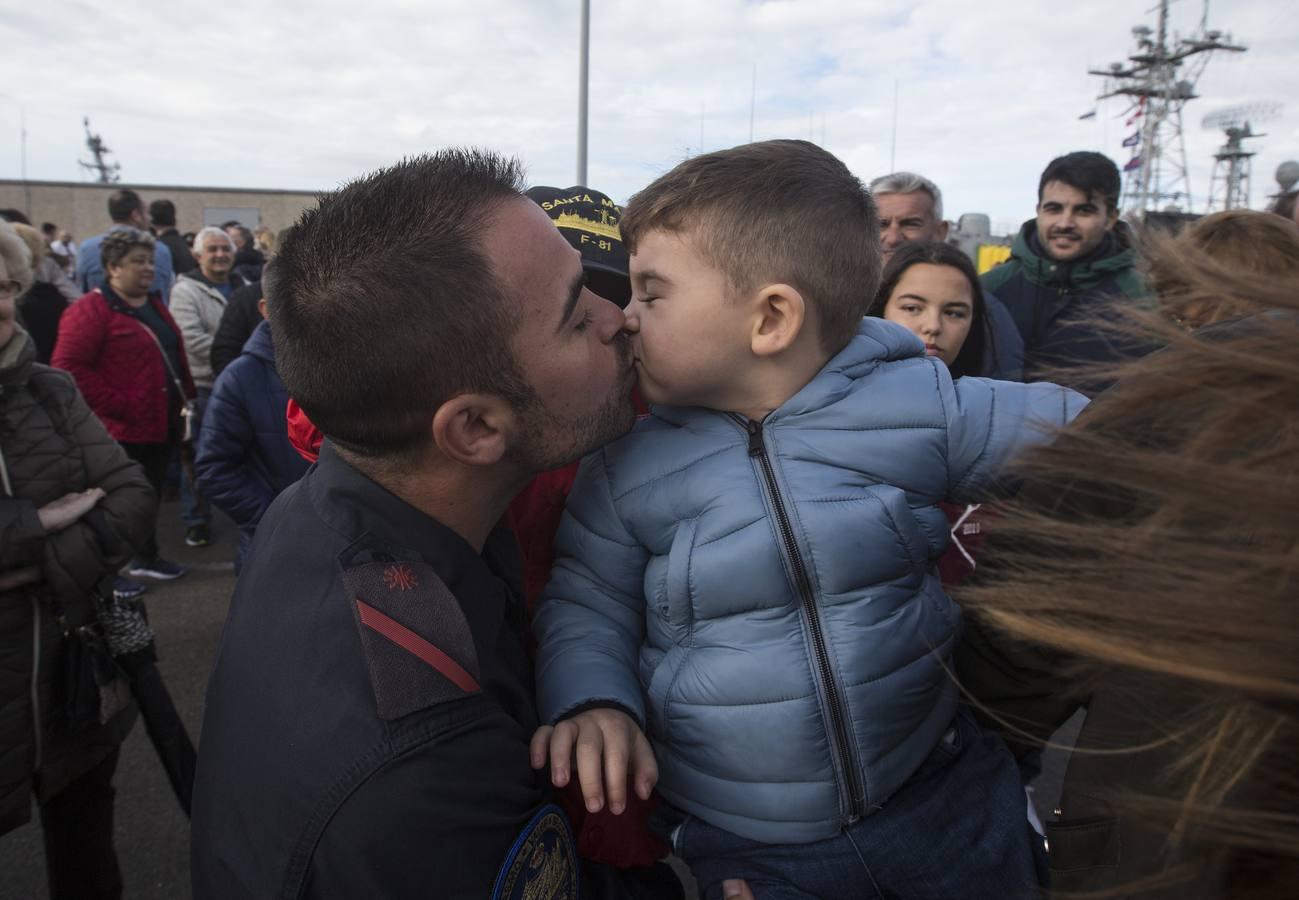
(126, 354)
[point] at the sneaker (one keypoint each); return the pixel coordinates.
(126, 589)
(198, 535)
(159, 570)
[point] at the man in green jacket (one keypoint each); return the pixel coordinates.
(1067, 264)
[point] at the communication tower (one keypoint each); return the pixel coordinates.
(105, 172)
(1158, 79)
(1229, 184)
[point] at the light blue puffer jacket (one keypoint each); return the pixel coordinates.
(764, 597)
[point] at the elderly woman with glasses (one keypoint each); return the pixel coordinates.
(123, 347)
(71, 506)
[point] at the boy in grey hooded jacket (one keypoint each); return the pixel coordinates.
(748, 577)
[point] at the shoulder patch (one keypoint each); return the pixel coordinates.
(542, 864)
(417, 642)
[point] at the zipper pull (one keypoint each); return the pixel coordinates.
(755, 438)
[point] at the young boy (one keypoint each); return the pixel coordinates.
(748, 577)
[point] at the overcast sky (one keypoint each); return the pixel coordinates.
(302, 95)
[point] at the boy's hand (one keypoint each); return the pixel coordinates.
(609, 746)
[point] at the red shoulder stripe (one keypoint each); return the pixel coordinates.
(412, 643)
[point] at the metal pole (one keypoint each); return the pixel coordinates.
(583, 83)
(893, 151)
(753, 100)
(27, 187)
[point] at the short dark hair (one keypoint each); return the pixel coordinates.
(162, 214)
(121, 241)
(122, 203)
(970, 361)
(1086, 171)
(49, 228)
(384, 305)
(232, 223)
(774, 211)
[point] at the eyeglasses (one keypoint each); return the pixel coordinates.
(10, 289)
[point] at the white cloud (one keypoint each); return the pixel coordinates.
(299, 95)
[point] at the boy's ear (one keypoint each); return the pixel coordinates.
(474, 429)
(780, 316)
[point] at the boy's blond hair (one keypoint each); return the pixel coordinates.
(771, 212)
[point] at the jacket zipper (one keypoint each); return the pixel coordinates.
(839, 733)
(37, 724)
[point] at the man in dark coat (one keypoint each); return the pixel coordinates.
(240, 319)
(368, 717)
(162, 219)
(1067, 264)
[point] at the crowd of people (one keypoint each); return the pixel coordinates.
(748, 524)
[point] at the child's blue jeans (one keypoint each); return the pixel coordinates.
(956, 829)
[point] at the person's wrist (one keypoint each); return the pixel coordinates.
(600, 704)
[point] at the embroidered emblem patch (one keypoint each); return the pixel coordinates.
(399, 577)
(542, 864)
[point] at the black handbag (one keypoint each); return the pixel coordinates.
(94, 688)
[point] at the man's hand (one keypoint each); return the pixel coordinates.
(59, 514)
(608, 746)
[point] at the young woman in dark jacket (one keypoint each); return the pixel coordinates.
(71, 506)
(933, 290)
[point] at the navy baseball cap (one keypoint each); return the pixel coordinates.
(588, 220)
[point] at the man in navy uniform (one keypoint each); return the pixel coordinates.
(368, 717)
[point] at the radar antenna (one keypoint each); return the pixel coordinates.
(1229, 184)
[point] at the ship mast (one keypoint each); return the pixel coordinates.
(105, 172)
(1158, 79)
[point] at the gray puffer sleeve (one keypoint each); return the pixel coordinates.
(590, 622)
(989, 423)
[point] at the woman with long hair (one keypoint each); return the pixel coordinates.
(1149, 570)
(933, 290)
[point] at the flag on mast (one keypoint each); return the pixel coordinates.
(1133, 163)
(1132, 140)
(1141, 109)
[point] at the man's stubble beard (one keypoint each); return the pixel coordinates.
(552, 442)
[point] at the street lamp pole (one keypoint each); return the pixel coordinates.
(22, 135)
(583, 84)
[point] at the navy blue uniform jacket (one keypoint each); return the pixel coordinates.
(369, 711)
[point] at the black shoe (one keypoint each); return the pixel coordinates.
(159, 569)
(198, 536)
(126, 589)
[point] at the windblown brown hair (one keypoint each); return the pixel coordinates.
(769, 212)
(1196, 580)
(1235, 240)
